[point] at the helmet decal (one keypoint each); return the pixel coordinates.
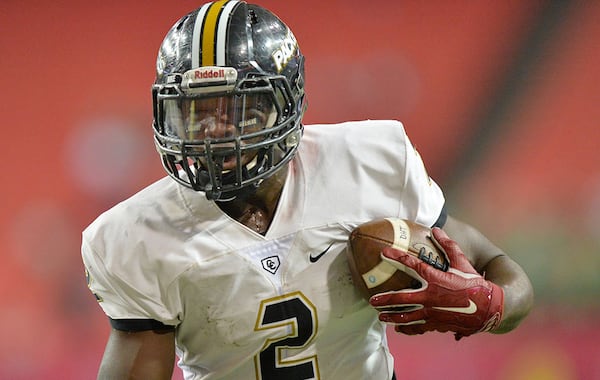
(285, 51)
(209, 36)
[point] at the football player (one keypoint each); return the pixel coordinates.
(234, 262)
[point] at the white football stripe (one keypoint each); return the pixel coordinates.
(379, 274)
(222, 32)
(196, 35)
(401, 234)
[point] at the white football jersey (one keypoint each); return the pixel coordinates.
(279, 306)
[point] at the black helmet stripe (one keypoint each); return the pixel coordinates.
(210, 33)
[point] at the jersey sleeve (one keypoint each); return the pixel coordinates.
(421, 197)
(132, 299)
(368, 169)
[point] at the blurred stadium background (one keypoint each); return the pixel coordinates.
(499, 97)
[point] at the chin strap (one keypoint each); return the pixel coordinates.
(239, 194)
(213, 178)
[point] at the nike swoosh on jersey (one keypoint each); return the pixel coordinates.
(314, 259)
(471, 309)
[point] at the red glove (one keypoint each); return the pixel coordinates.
(459, 300)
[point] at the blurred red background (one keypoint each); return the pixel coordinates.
(499, 97)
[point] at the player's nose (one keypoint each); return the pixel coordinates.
(222, 127)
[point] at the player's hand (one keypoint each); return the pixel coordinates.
(459, 300)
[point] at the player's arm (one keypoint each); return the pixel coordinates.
(497, 267)
(138, 355)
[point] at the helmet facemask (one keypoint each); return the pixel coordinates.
(223, 137)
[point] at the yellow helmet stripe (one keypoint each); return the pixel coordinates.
(209, 36)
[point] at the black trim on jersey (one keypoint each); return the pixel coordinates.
(137, 325)
(441, 221)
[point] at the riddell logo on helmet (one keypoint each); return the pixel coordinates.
(209, 78)
(286, 50)
(209, 74)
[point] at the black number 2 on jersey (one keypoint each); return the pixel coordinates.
(295, 316)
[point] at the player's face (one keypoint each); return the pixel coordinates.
(220, 120)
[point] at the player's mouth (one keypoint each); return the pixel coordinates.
(230, 161)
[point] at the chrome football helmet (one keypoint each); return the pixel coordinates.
(228, 98)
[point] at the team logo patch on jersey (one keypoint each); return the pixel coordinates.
(271, 264)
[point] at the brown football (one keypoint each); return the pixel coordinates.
(372, 275)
